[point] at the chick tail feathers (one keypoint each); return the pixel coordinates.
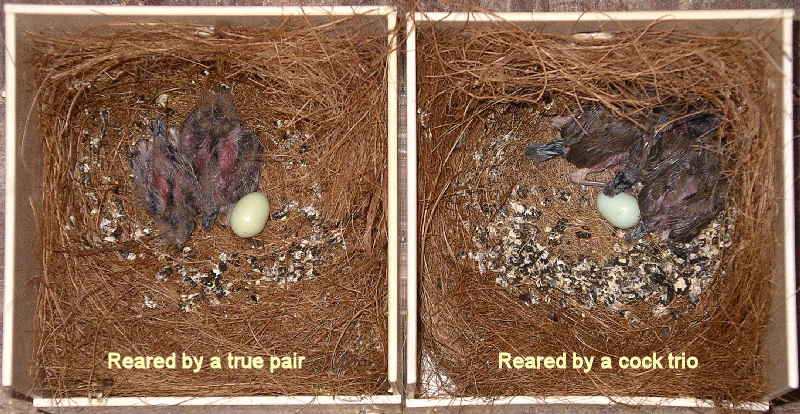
(543, 152)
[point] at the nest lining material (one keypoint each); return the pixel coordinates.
(313, 283)
(479, 83)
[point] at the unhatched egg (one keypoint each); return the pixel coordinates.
(249, 215)
(622, 210)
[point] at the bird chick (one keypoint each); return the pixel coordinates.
(592, 140)
(224, 155)
(682, 198)
(675, 137)
(165, 182)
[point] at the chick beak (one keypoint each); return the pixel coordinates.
(636, 233)
(618, 184)
(208, 221)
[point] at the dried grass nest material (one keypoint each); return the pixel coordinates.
(486, 92)
(313, 283)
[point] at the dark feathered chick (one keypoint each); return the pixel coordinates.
(164, 180)
(592, 140)
(224, 155)
(682, 198)
(675, 136)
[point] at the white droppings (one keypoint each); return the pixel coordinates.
(149, 303)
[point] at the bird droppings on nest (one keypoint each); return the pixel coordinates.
(292, 263)
(515, 250)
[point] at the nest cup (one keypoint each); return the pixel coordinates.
(482, 76)
(314, 85)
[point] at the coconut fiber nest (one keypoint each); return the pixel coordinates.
(313, 284)
(484, 93)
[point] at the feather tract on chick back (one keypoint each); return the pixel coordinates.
(224, 155)
(165, 181)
